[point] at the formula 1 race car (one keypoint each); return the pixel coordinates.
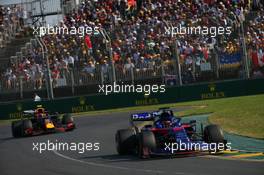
(161, 133)
(40, 121)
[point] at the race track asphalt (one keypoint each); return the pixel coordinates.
(18, 158)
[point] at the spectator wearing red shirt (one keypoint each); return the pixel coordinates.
(55, 76)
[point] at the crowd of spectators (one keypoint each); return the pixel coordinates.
(139, 39)
(255, 43)
(11, 21)
(28, 71)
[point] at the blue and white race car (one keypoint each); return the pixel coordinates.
(162, 133)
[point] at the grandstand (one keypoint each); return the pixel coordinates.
(133, 47)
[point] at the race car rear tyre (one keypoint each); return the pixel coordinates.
(213, 134)
(17, 128)
(67, 118)
(147, 142)
(26, 126)
(125, 141)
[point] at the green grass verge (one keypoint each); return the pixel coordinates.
(238, 115)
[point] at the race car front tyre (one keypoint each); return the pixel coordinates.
(27, 128)
(147, 142)
(67, 118)
(125, 141)
(17, 128)
(213, 134)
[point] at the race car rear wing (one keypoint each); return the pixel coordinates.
(29, 112)
(141, 117)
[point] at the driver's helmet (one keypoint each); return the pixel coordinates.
(40, 112)
(165, 120)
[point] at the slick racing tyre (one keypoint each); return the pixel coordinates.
(17, 128)
(147, 142)
(125, 141)
(27, 128)
(213, 134)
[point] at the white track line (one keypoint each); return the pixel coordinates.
(115, 167)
